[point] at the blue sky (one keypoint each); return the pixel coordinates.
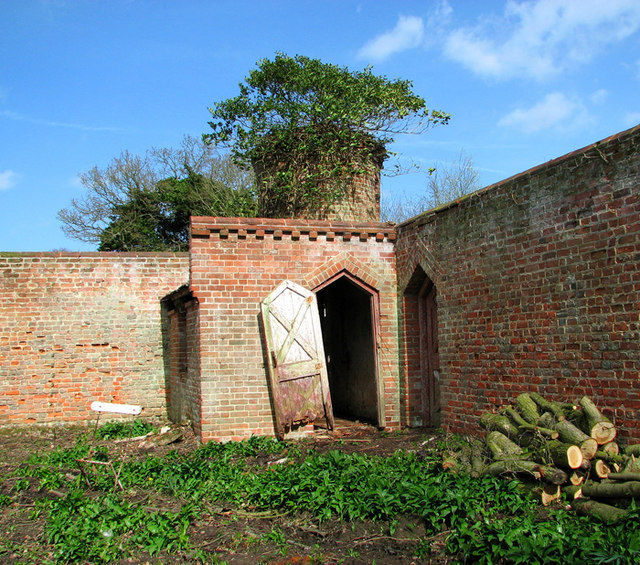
(82, 81)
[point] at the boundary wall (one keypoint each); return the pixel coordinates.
(538, 282)
(79, 327)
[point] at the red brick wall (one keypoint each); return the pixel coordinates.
(538, 283)
(81, 327)
(235, 264)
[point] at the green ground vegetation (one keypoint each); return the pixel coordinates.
(480, 520)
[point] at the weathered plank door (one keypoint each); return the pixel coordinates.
(430, 356)
(297, 368)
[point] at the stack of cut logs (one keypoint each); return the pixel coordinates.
(568, 448)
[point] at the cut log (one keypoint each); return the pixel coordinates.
(629, 489)
(522, 424)
(611, 459)
(549, 474)
(633, 465)
(564, 454)
(550, 494)
(633, 449)
(570, 433)
(546, 406)
(577, 477)
(605, 512)
(498, 423)
(527, 408)
(612, 447)
(502, 447)
(478, 463)
(572, 492)
(600, 470)
(624, 476)
(599, 427)
(547, 420)
(163, 439)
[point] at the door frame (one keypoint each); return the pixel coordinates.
(374, 305)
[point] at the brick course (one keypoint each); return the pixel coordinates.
(81, 327)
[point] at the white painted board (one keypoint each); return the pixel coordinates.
(116, 408)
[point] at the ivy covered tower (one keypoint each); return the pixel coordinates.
(352, 195)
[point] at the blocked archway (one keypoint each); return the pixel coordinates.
(349, 319)
(421, 351)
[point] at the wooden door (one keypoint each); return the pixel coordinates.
(430, 356)
(296, 361)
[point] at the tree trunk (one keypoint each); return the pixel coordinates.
(630, 489)
(549, 494)
(633, 465)
(564, 454)
(477, 458)
(549, 474)
(527, 408)
(612, 448)
(498, 423)
(600, 470)
(577, 477)
(611, 459)
(574, 435)
(502, 447)
(546, 406)
(524, 425)
(624, 476)
(572, 491)
(605, 512)
(633, 449)
(599, 427)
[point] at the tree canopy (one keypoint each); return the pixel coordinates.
(158, 220)
(445, 184)
(143, 203)
(307, 127)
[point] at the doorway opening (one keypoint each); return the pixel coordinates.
(422, 359)
(349, 321)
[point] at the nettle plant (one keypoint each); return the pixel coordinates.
(308, 128)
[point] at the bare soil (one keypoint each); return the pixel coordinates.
(227, 535)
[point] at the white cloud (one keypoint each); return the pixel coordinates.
(407, 34)
(49, 123)
(543, 38)
(8, 179)
(599, 96)
(555, 111)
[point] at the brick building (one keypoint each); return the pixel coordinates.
(529, 284)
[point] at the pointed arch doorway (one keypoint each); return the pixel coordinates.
(349, 319)
(422, 357)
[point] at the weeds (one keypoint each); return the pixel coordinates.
(484, 520)
(114, 430)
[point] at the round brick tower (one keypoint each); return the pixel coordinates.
(358, 201)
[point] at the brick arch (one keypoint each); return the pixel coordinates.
(420, 256)
(343, 263)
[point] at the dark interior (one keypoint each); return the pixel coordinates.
(346, 318)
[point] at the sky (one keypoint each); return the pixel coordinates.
(81, 81)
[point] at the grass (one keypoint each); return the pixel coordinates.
(485, 520)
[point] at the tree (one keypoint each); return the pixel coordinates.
(307, 127)
(446, 184)
(158, 220)
(453, 181)
(144, 203)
